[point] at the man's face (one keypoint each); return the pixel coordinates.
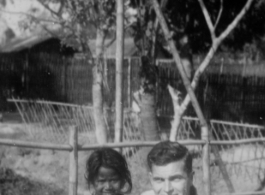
(171, 179)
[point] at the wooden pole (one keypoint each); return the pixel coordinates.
(239, 142)
(157, 81)
(26, 144)
(244, 90)
(64, 147)
(129, 83)
(64, 79)
(119, 72)
(134, 144)
(206, 160)
(73, 161)
(245, 193)
(27, 73)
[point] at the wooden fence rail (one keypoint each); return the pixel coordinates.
(73, 149)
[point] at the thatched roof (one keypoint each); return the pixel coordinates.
(17, 30)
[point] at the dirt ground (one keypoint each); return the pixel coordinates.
(51, 166)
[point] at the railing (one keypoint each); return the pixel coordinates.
(241, 146)
(73, 147)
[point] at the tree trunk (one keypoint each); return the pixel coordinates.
(187, 84)
(147, 115)
(145, 98)
(178, 113)
(97, 90)
(119, 73)
(187, 63)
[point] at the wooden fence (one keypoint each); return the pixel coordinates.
(57, 78)
(226, 91)
(73, 149)
(223, 91)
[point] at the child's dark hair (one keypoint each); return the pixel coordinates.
(108, 158)
(167, 152)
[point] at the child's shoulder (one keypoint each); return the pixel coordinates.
(149, 192)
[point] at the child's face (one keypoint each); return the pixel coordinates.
(107, 182)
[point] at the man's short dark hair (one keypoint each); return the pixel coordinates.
(167, 152)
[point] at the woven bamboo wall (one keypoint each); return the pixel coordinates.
(226, 91)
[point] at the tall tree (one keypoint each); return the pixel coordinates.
(83, 17)
(216, 41)
(79, 22)
(17, 29)
(190, 33)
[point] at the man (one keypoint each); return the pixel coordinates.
(170, 166)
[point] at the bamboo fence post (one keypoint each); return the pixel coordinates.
(129, 82)
(244, 90)
(206, 160)
(73, 161)
(157, 81)
(119, 73)
(35, 145)
(26, 81)
(64, 78)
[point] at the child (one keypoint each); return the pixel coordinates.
(107, 173)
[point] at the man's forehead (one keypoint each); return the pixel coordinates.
(176, 167)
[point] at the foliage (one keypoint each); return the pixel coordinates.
(148, 74)
(142, 29)
(184, 17)
(250, 30)
(13, 184)
(79, 20)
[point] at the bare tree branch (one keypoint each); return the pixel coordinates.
(155, 31)
(55, 35)
(219, 14)
(196, 106)
(56, 13)
(215, 45)
(179, 64)
(217, 41)
(175, 123)
(207, 18)
(110, 42)
(235, 21)
(60, 11)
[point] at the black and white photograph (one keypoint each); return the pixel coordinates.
(132, 97)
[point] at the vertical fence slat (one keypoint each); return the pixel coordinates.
(73, 161)
(206, 160)
(129, 82)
